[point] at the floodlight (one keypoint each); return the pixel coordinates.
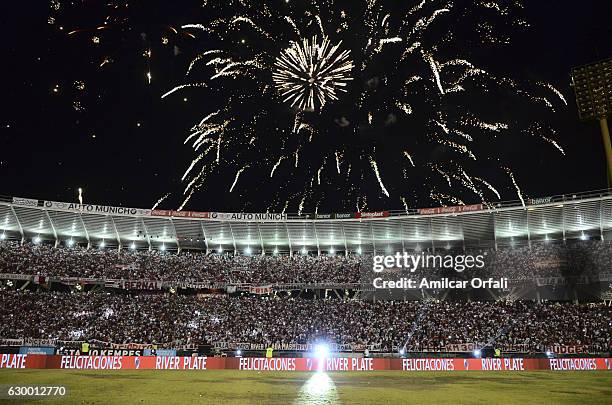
(593, 87)
(321, 351)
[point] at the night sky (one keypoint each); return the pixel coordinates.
(67, 123)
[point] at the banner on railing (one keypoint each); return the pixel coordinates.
(96, 209)
(451, 210)
(22, 361)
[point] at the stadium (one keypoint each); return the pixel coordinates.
(306, 202)
(152, 289)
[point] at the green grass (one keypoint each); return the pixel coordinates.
(234, 387)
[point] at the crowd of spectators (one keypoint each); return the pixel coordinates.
(167, 266)
(192, 319)
(519, 263)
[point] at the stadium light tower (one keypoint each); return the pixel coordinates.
(593, 87)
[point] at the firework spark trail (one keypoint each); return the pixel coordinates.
(442, 173)
(292, 23)
(233, 69)
(516, 186)
(201, 57)
(238, 173)
(377, 172)
(181, 87)
(406, 208)
(250, 22)
(442, 198)
(554, 90)
(424, 23)
(489, 186)
(161, 199)
(191, 166)
(386, 41)
(409, 157)
(434, 69)
(276, 166)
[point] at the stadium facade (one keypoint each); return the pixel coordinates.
(559, 218)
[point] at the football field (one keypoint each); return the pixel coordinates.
(381, 387)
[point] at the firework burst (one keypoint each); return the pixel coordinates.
(373, 101)
(309, 73)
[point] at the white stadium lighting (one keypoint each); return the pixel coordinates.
(220, 250)
(37, 239)
(133, 246)
(358, 251)
(304, 251)
(477, 353)
(331, 251)
(402, 351)
(238, 353)
(321, 351)
(70, 242)
(247, 251)
(275, 251)
(3, 236)
(549, 353)
(163, 247)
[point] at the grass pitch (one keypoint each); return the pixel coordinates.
(381, 387)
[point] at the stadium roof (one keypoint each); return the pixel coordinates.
(580, 216)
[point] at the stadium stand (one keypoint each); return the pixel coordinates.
(383, 325)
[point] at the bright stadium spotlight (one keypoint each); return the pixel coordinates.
(248, 251)
(3, 236)
(402, 352)
(220, 250)
(102, 245)
(477, 353)
(304, 251)
(593, 87)
(322, 351)
(37, 239)
(133, 246)
(331, 250)
(70, 242)
(275, 250)
(549, 353)
(358, 251)
(583, 236)
(238, 353)
(163, 247)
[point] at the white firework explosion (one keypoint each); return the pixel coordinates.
(416, 116)
(309, 73)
